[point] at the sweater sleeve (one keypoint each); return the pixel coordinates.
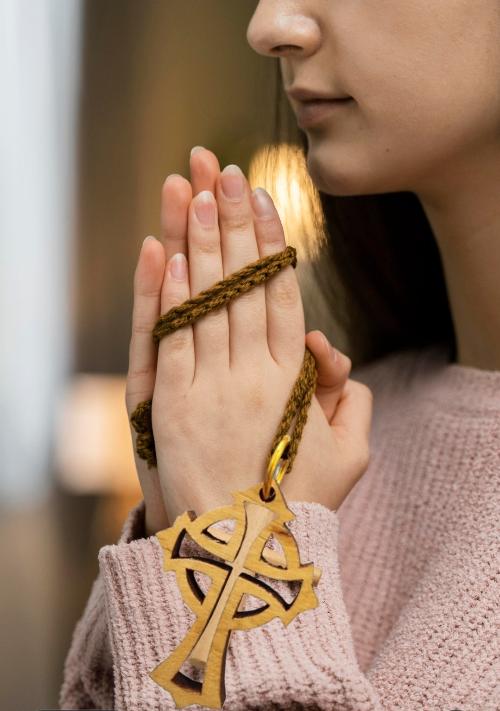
(88, 678)
(438, 655)
(311, 661)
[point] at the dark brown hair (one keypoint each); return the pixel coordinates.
(380, 269)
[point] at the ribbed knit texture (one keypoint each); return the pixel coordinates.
(408, 613)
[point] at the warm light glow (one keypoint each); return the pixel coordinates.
(93, 452)
(281, 170)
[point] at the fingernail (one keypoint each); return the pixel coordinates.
(334, 352)
(173, 175)
(262, 203)
(204, 207)
(178, 266)
(197, 148)
(149, 237)
(232, 182)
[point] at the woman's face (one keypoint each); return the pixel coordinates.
(424, 76)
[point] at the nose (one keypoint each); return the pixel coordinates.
(277, 29)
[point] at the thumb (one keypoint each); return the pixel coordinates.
(333, 371)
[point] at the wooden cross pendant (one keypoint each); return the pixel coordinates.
(241, 556)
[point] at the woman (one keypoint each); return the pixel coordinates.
(400, 514)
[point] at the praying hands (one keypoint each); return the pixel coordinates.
(219, 386)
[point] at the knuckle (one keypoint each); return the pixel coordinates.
(272, 231)
(133, 396)
(141, 327)
(345, 361)
(137, 373)
(145, 294)
(283, 292)
(172, 298)
(207, 247)
(363, 390)
(236, 220)
(255, 398)
(362, 460)
(179, 340)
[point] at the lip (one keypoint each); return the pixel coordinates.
(314, 111)
(302, 94)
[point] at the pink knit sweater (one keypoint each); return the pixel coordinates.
(408, 612)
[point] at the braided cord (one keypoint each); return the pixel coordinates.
(214, 298)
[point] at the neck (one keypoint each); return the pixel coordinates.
(464, 213)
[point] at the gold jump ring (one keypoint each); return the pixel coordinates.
(277, 466)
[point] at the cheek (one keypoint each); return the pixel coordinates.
(426, 79)
(379, 146)
(420, 106)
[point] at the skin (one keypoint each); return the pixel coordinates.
(220, 386)
(426, 119)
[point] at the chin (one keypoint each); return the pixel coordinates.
(333, 177)
(335, 173)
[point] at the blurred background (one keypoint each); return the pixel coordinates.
(101, 100)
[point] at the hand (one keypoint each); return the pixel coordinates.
(264, 341)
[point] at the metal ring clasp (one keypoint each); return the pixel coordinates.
(277, 466)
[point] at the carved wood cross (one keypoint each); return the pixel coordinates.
(241, 555)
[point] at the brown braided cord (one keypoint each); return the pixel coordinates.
(216, 297)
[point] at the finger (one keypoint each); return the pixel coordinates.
(247, 313)
(148, 278)
(352, 420)
(284, 310)
(333, 369)
(176, 195)
(211, 331)
(204, 168)
(175, 369)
